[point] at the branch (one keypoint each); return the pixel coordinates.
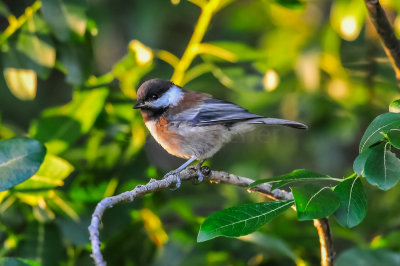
(325, 241)
(390, 43)
(188, 174)
(192, 48)
(16, 23)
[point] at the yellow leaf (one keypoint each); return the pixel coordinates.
(153, 227)
(22, 82)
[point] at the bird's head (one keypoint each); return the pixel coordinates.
(158, 94)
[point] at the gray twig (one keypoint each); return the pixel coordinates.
(188, 174)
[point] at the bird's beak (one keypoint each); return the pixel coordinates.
(138, 105)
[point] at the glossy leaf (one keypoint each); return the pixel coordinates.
(359, 162)
(241, 220)
(367, 257)
(59, 127)
(66, 17)
(50, 175)
(294, 176)
(394, 138)
(314, 201)
(381, 124)
(20, 158)
(382, 167)
(353, 202)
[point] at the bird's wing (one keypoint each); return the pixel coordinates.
(214, 111)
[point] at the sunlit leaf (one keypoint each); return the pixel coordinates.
(233, 51)
(347, 17)
(314, 202)
(383, 123)
(367, 257)
(382, 167)
(35, 43)
(241, 220)
(61, 126)
(154, 228)
(21, 82)
(394, 106)
(353, 202)
(51, 174)
(65, 17)
(129, 73)
(294, 176)
(20, 158)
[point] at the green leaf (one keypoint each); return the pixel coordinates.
(367, 257)
(20, 158)
(381, 124)
(314, 202)
(237, 79)
(359, 162)
(294, 176)
(77, 60)
(240, 51)
(66, 18)
(241, 220)
(382, 167)
(293, 4)
(394, 138)
(394, 106)
(37, 47)
(353, 202)
(50, 175)
(17, 262)
(272, 244)
(61, 126)
(4, 10)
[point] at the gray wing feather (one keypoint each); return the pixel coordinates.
(213, 111)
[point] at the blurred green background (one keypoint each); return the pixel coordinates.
(70, 70)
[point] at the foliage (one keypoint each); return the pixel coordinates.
(70, 72)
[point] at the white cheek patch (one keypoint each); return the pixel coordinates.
(170, 98)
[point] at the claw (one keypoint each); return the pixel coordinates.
(199, 173)
(177, 184)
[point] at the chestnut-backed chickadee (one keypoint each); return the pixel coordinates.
(194, 125)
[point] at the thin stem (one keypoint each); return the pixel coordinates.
(16, 23)
(193, 46)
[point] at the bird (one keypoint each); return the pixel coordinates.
(194, 125)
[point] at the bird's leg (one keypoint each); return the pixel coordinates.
(177, 171)
(199, 172)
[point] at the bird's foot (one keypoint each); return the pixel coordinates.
(177, 183)
(200, 175)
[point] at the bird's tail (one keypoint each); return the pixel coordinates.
(277, 121)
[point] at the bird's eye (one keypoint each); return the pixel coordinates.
(154, 96)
